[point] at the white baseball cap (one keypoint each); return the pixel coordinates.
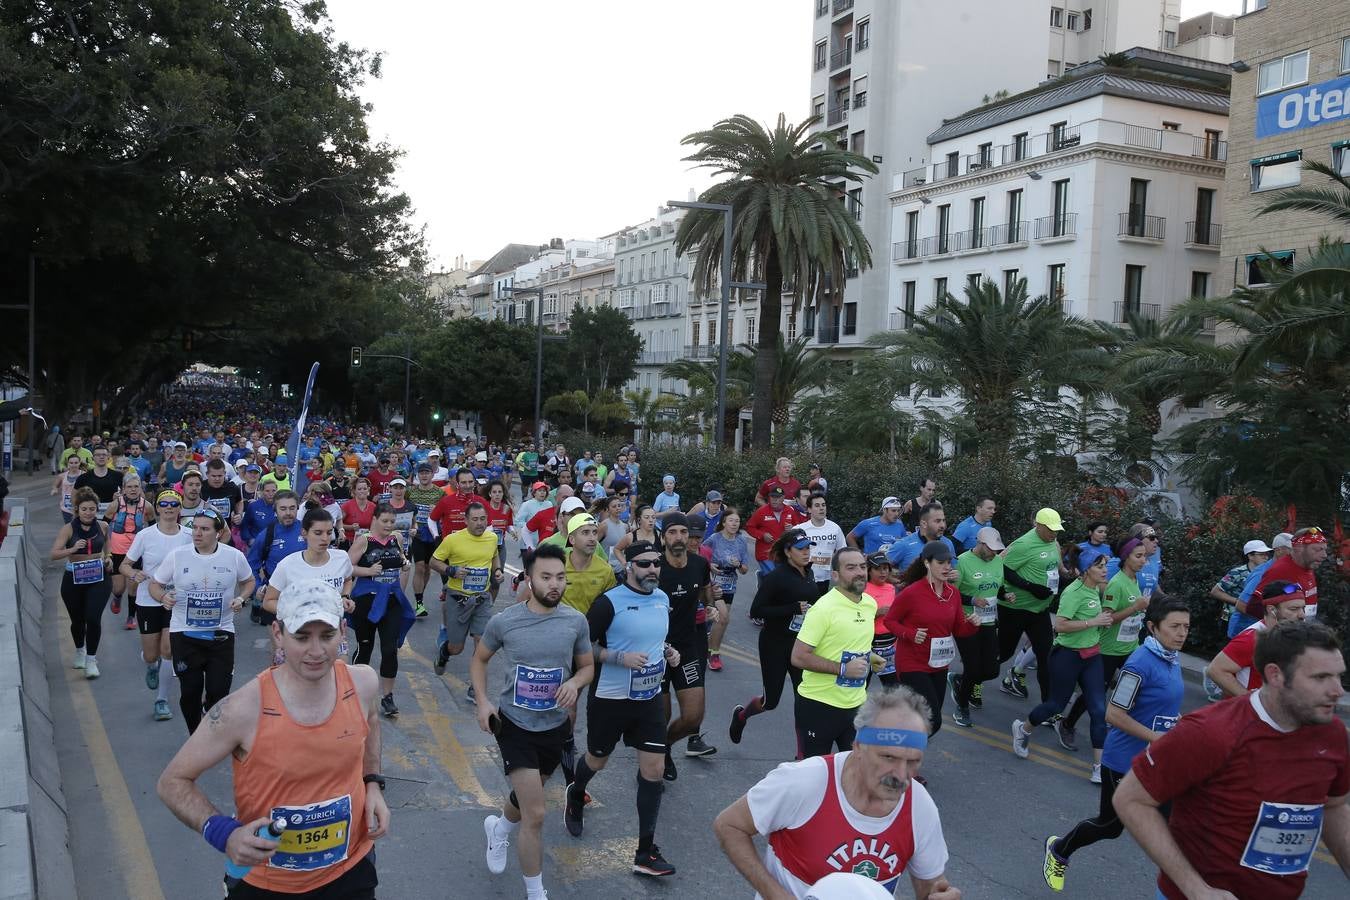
(990, 537)
(1257, 546)
(310, 600)
(892, 503)
(1283, 539)
(571, 504)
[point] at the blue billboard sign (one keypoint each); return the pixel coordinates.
(1304, 107)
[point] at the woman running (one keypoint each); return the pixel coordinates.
(405, 519)
(501, 519)
(645, 530)
(1076, 657)
(612, 528)
(64, 484)
(378, 560)
(783, 597)
(731, 554)
(320, 559)
(82, 544)
(1145, 703)
(150, 548)
(881, 587)
(358, 512)
(128, 515)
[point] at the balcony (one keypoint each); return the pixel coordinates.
(819, 63)
(822, 8)
(827, 334)
(900, 320)
(1123, 308)
(657, 357)
(1134, 224)
(700, 351)
(841, 58)
(1009, 233)
(837, 114)
(910, 250)
(1061, 227)
(659, 309)
(479, 286)
(841, 6)
(1203, 234)
(1208, 147)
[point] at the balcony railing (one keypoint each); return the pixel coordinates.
(837, 114)
(900, 320)
(1064, 225)
(1137, 225)
(841, 58)
(914, 248)
(700, 351)
(842, 6)
(1210, 148)
(819, 63)
(656, 310)
(1206, 234)
(827, 334)
(1009, 233)
(1143, 310)
(657, 357)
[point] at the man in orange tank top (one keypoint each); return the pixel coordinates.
(305, 708)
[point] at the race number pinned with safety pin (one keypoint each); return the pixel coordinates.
(1284, 838)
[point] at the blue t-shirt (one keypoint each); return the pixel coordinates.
(1254, 580)
(877, 535)
(257, 514)
(905, 551)
(1150, 689)
(627, 621)
(964, 534)
(708, 520)
(664, 502)
(141, 465)
(1148, 575)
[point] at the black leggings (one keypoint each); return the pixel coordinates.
(1106, 827)
(931, 686)
(387, 628)
(205, 670)
(1110, 665)
(85, 604)
(822, 727)
(775, 655)
(1012, 623)
(979, 661)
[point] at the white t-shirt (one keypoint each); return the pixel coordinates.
(790, 795)
(203, 586)
(293, 568)
(826, 538)
(151, 547)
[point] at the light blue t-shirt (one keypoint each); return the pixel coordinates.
(627, 621)
(877, 535)
(664, 502)
(905, 551)
(964, 534)
(1150, 689)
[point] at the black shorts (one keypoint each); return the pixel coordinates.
(641, 724)
(689, 673)
(357, 883)
(194, 653)
(152, 619)
(525, 749)
(117, 562)
(422, 550)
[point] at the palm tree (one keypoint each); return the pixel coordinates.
(648, 411)
(798, 370)
(1328, 268)
(605, 406)
(785, 186)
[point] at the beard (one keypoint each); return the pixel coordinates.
(648, 583)
(549, 600)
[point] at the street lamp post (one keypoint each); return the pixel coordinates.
(538, 360)
(727, 284)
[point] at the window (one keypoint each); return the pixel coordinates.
(976, 223)
(1282, 73)
(1019, 146)
(822, 54)
(857, 142)
(1014, 216)
(1134, 287)
(1059, 133)
(712, 332)
(864, 35)
(850, 318)
(908, 301)
(1213, 141)
(986, 155)
(855, 203)
(973, 281)
(944, 228)
(1055, 283)
(1279, 171)
(1169, 40)
(1072, 20)
(818, 107)
(1171, 126)
(1260, 265)
(1060, 210)
(1138, 206)
(1204, 216)
(859, 99)
(953, 164)
(750, 329)
(1053, 68)
(809, 322)
(939, 288)
(1087, 19)
(1056, 17)
(792, 327)
(1340, 157)
(1010, 277)
(1199, 284)
(1345, 55)
(912, 234)
(696, 327)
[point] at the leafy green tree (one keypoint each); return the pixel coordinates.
(603, 407)
(789, 225)
(602, 349)
(859, 409)
(650, 411)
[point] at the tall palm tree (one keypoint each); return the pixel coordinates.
(648, 410)
(789, 226)
(1328, 267)
(601, 408)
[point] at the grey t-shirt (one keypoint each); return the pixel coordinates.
(538, 651)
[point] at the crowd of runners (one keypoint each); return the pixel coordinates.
(196, 515)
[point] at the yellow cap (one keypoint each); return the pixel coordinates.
(1050, 519)
(579, 522)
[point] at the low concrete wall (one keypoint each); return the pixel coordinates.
(34, 842)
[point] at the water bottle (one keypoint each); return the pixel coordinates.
(271, 831)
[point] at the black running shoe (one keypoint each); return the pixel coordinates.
(388, 707)
(699, 747)
(651, 862)
(442, 658)
(670, 774)
(738, 721)
(573, 808)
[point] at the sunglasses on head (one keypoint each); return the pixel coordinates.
(646, 563)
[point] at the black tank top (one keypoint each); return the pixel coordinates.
(93, 534)
(387, 553)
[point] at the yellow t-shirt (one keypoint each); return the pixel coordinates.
(839, 629)
(583, 587)
(473, 557)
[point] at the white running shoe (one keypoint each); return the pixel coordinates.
(90, 667)
(1096, 777)
(496, 849)
(1021, 741)
(80, 657)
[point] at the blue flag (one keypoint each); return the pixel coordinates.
(293, 445)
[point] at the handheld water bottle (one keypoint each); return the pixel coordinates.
(271, 831)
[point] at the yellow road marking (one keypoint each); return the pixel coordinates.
(137, 864)
(739, 656)
(1006, 738)
(449, 751)
(1006, 745)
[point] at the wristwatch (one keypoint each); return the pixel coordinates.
(374, 778)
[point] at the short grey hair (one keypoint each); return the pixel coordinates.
(899, 699)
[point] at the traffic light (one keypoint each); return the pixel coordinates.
(356, 357)
(436, 416)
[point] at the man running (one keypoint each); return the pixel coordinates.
(827, 539)
(289, 734)
(877, 534)
(1232, 668)
(103, 481)
(628, 627)
(150, 547)
(1308, 551)
(913, 509)
(1253, 781)
(1031, 571)
(547, 648)
(966, 535)
(782, 480)
(424, 495)
(468, 562)
(278, 539)
(861, 810)
(767, 525)
(932, 526)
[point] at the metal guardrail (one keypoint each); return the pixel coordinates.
(1143, 310)
(1137, 225)
(1207, 234)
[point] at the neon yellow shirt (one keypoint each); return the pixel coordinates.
(584, 586)
(839, 630)
(473, 558)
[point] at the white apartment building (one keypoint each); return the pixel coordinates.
(652, 288)
(1103, 191)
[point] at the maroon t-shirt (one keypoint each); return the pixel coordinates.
(1244, 794)
(790, 488)
(1285, 569)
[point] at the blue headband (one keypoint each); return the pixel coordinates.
(892, 737)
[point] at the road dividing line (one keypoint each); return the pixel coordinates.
(448, 750)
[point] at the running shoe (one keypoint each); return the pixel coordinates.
(116, 605)
(1053, 721)
(152, 677)
(976, 697)
(130, 625)
(671, 772)
(496, 848)
(162, 713)
(442, 658)
(1096, 776)
(698, 747)
(79, 660)
(651, 862)
(962, 717)
(715, 661)
(90, 667)
(1021, 741)
(471, 696)
(572, 811)
(954, 685)
(1053, 868)
(1009, 685)
(1067, 739)
(1021, 677)
(421, 609)
(758, 623)
(388, 707)
(738, 721)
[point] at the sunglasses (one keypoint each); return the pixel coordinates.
(169, 504)
(646, 563)
(1151, 536)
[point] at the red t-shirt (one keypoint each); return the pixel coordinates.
(1285, 569)
(449, 511)
(1242, 650)
(379, 481)
(766, 527)
(1233, 780)
(918, 607)
(354, 519)
(544, 523)
(790, 488)
(499, 520)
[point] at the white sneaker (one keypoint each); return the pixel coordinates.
(80, 657)
(1021, 741)
(1096, 777)
(496, 849)
(90, 667)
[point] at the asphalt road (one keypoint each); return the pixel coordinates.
(444, 776)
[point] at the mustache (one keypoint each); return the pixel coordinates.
(890, 781)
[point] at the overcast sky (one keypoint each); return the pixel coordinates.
(525, 120)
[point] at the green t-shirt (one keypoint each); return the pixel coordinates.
(1122, 638)
(528, 463)
(838, 629)
(1037, 561)
(1080, 602)
(980, 579)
